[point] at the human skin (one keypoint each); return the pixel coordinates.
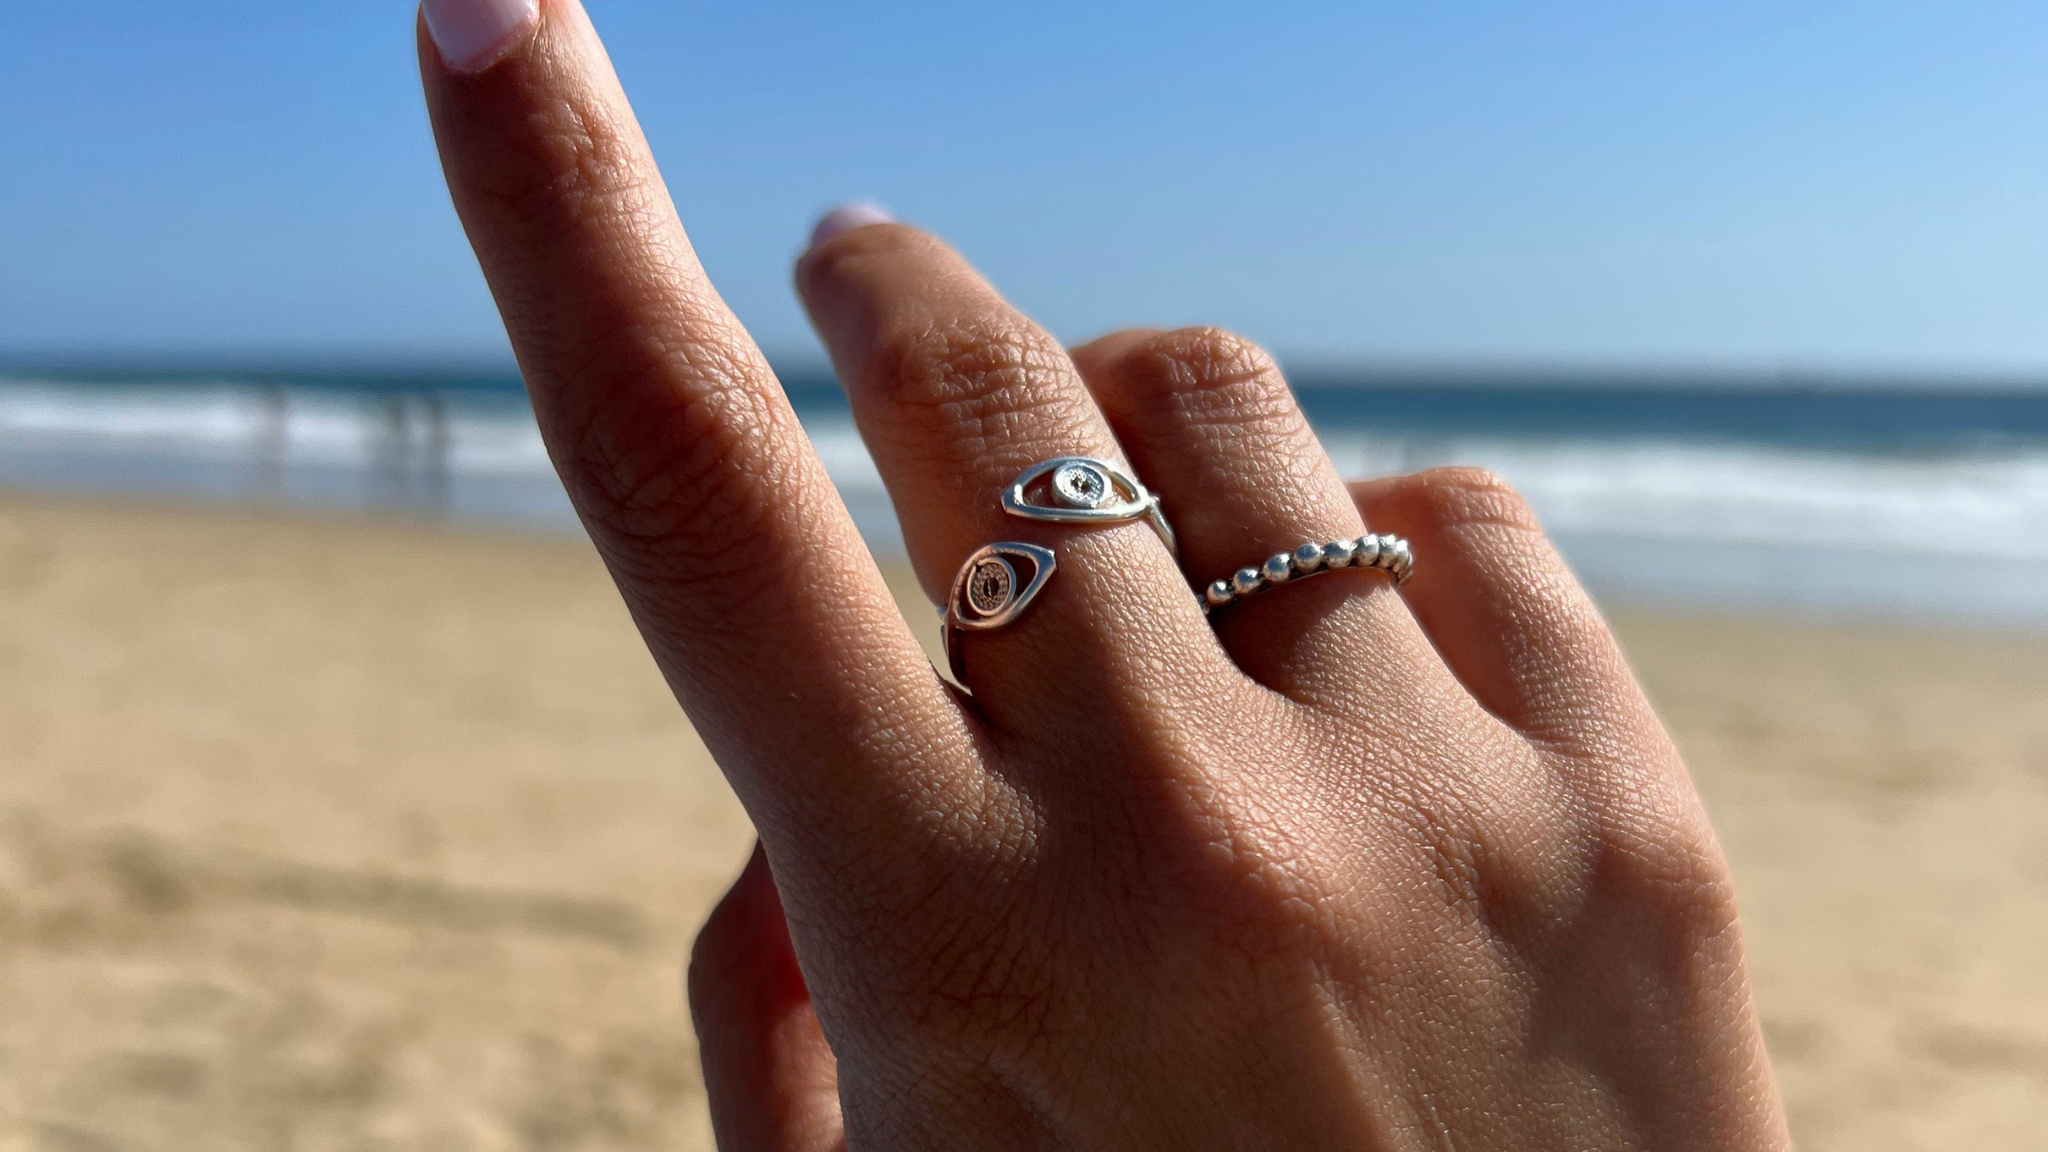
(1342, 867)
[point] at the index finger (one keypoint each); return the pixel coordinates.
(677, 446)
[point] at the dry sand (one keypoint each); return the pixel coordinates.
(338, 835)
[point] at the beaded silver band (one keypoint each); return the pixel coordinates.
(1389, 554)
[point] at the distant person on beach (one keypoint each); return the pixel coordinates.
(1275, 812)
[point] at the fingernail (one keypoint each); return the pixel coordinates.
(472, 34)
(846, 218)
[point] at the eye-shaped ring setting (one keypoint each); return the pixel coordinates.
(1084, 490)
(990, 592)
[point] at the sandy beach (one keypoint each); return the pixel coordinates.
(326, 834)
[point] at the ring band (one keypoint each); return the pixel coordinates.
(989, 593)
(1085, 490)
(1389, 554)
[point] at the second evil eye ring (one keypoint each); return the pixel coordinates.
(999, 581)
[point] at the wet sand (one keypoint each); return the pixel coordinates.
(335, 834)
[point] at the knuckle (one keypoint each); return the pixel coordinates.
(1666, 873)
(985, 384)
(1447, 497)
(1647, 871)
(1205, 360)
(652, 467)
(1218, 357)
(941, 365)
(1213, 381)
(571, 153)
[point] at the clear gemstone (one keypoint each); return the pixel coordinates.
(1080, 485)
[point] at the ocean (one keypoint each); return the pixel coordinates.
(1893, 498)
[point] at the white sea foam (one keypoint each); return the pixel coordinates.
(1992, 502)
(232, 422)
(1643, 516)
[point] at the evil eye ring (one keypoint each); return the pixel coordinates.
(993, 588)
(1084, 490)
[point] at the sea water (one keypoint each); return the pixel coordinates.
(1890, 498)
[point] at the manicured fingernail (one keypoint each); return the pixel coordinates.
(846, 218)
(472, 34)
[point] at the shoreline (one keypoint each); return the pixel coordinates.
(355, 829)
(1920, 590)
(1681, 498)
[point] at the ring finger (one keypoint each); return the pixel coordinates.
(1207, 417)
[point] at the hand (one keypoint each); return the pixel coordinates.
(1347, 869)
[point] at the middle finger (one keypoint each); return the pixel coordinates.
(956, 394)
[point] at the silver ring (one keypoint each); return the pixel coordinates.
(989, 593)
(1388, 554)
(1084, 490)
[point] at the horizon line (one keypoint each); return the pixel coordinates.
(1364, 370)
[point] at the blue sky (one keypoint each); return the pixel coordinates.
(1747, 184)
